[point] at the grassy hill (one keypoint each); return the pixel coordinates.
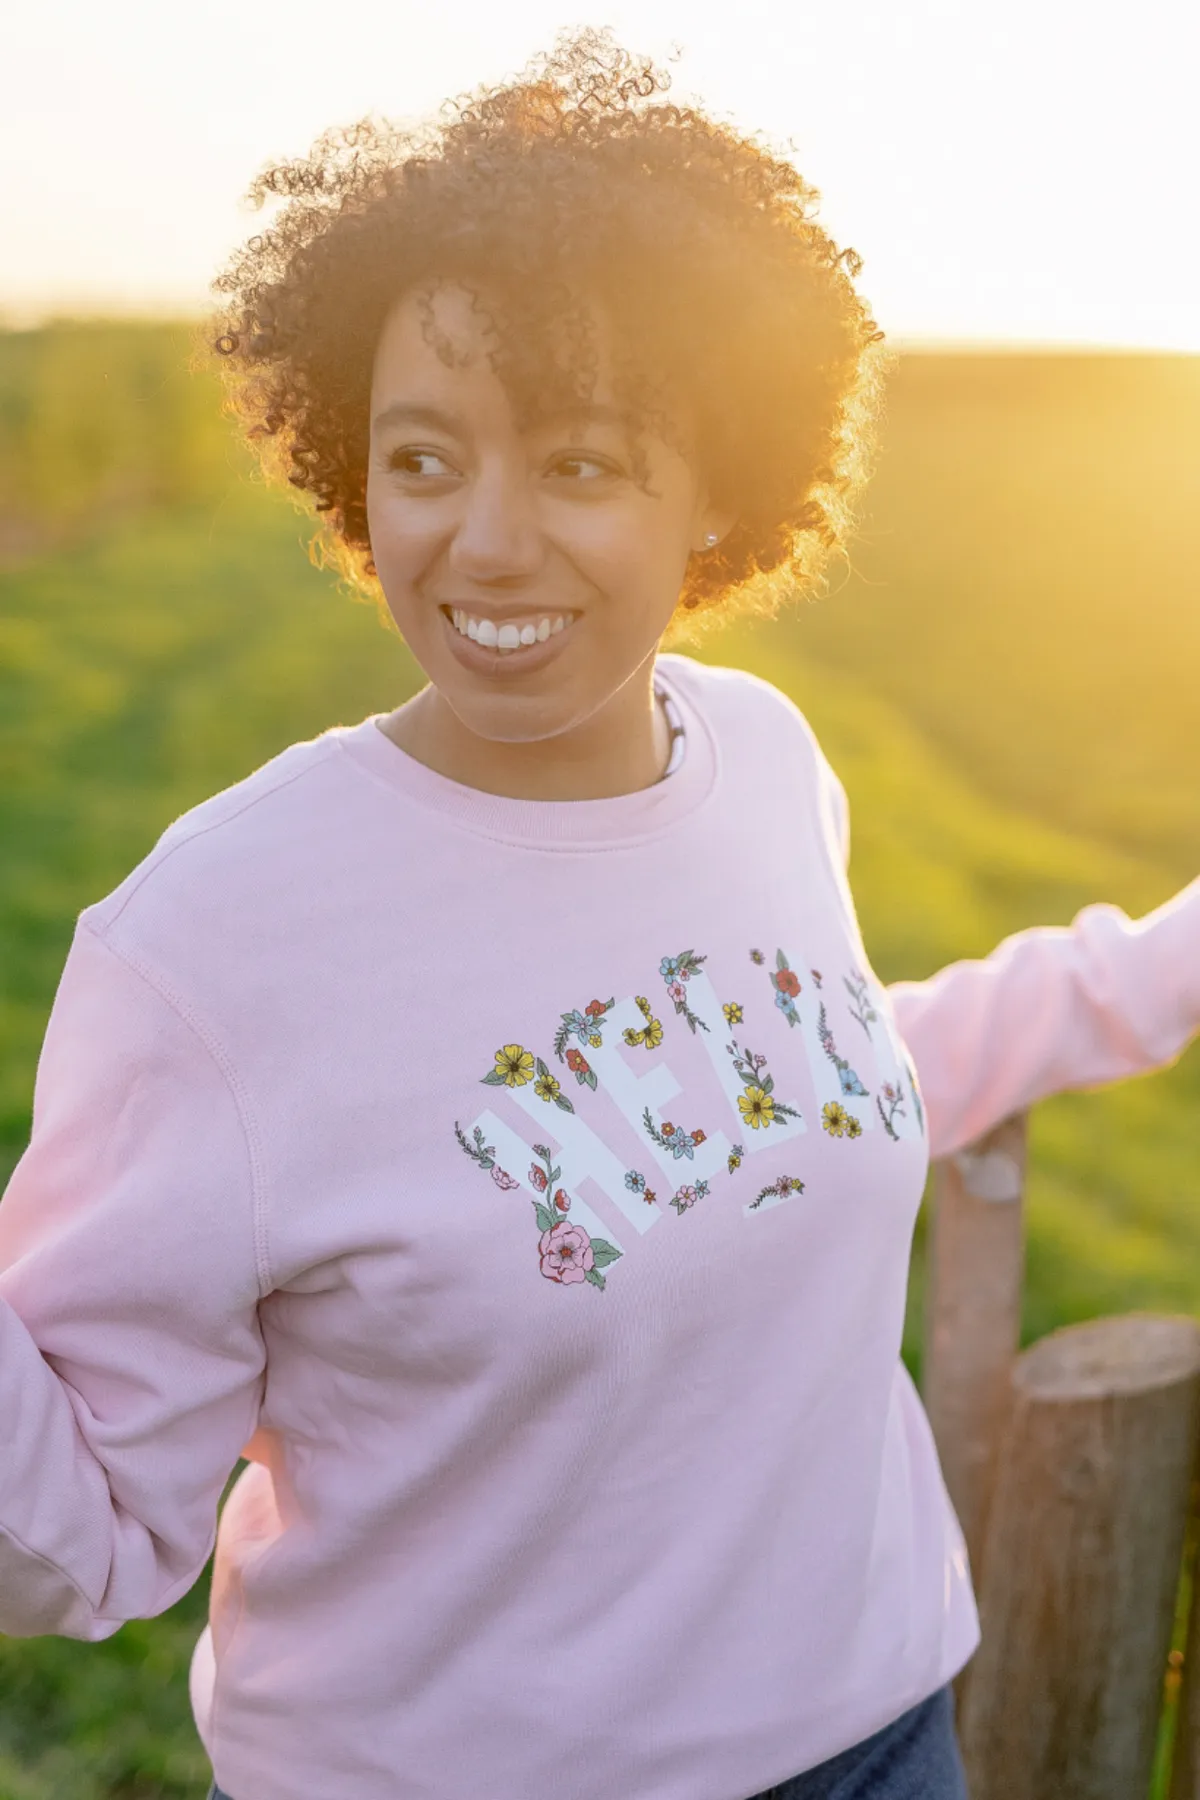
(1005, 682)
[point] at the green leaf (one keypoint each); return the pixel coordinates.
(596, 1279)
(781, 961)
(493, 1078)
(767, 1084)
(604, 1252)
(540, 1066)
(590, 1078)
(562, 1101)
(545, 1217)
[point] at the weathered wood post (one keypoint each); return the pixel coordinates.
(1185, 1759)
(1084, 1542)
(975, 1269)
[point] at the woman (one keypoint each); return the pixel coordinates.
(484, 1117)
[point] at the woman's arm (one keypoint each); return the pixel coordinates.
(1052, 1008)
(131, 1359)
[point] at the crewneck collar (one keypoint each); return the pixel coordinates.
(554, 824)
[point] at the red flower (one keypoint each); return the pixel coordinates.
(561, 1201)
(650, 1197)
(786, 982)
(595, 1007)
(538, 1178)
(697, 1137)
(668, 1130)
(577, 1061)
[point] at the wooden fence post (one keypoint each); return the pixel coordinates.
(974, 1276)
(1085, 1537)
(1185, 1758)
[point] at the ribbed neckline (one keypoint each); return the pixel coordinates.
(554, 824)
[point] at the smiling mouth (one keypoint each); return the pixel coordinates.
(505, 636)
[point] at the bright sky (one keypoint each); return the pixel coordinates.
(1013, 170)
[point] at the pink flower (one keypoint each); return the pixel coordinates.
(538, 1178)
(566, 1253)
(676, 990)
(685, 1196)
(502, 1178)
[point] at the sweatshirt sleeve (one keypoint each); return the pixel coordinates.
(131, 1266)
(1052, 1008)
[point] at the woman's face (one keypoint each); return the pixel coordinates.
(471, 519)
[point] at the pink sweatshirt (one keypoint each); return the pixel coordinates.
(526, 1189)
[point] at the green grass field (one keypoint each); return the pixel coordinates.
(1005, 682)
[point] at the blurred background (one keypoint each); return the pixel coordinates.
(1006, 679)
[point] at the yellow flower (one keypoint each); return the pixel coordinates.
(853, 1128)
(545, 1087)
(595, 1041)
(835, 1119)
(733, 1012)
(643, 1005)
(756, 1107)
(653, 1034)
(515, 1065)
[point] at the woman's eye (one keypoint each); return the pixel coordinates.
(583, 468)
(418, 462)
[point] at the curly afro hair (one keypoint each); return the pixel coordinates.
(568, 186)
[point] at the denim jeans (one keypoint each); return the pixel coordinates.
(914, 1758)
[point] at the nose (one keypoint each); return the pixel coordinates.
(498, 538)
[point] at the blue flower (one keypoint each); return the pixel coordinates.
(783, 1001)
(668, 968)
(681, 1143)
(635, 1182)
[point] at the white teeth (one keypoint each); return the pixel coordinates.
(507, 637)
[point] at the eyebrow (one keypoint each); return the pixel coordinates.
(403, 412)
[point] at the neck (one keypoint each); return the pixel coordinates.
(623, 747)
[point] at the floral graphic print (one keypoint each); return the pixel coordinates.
(757, 1104)
(818, 978)
(786, 1184)
(912, 1088)
(675, 971)
(688, 1195)
(650, 1033)
(567, 1254)
(485, 1156)
(861, 1009)
(586, 1026)
(515, 1066)
(838, 1122)
(893, 1097)
(733, 1012)
(756, 956)
(636, 1183)
(735, 1158)
(786, 983)
(849, 1080)
(673, 1137)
